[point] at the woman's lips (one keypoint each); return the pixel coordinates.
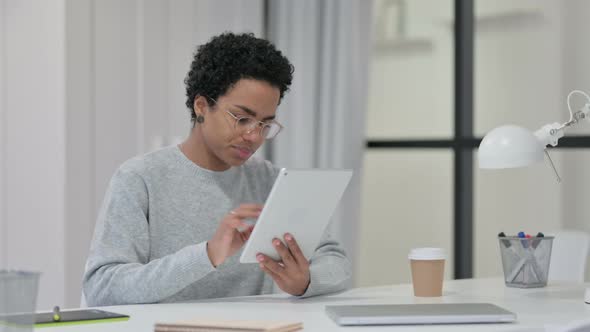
(243, 153)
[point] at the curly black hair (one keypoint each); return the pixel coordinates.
(229, 57)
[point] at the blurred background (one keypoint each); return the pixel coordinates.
(88, 84)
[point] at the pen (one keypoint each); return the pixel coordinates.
(538, 240)
(506, 243)
(524, 241)
(56, 316)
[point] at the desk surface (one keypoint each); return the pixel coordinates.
(556, 304)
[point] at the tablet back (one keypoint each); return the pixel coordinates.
(301, 202)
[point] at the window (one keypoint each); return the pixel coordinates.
(443, 74)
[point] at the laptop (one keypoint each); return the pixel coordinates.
(411, 314)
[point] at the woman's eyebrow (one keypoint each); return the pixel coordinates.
(253, 113)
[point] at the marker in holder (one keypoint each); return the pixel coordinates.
(525, 261)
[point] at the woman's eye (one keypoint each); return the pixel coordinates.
(265, 130)
(244, 121)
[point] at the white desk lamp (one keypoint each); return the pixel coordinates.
(512, 146)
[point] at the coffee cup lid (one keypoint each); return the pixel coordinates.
(427, 254)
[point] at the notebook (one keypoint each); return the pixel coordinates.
(206, 325)
(71, 317)
(438, 313)
(81, 316)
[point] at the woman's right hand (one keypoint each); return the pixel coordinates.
(227, 238)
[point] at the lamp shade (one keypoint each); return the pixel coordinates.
(509, 146)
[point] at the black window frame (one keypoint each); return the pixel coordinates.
(463, 143)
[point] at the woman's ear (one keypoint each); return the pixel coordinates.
(200, 105)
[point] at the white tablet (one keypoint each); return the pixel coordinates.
(301, 202)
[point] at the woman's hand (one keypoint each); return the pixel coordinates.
(291, 274)
(227, 238)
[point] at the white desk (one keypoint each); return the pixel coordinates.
(556, 304)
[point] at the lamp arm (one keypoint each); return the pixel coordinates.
(549, 134)
(582, 114)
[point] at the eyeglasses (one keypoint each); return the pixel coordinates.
(247, 124)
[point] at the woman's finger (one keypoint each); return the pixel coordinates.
(295, 249)
(271, 265)
(285, 254)
(273, 275)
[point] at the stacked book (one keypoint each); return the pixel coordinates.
(228, 326)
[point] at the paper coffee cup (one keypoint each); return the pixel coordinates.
(428, 267)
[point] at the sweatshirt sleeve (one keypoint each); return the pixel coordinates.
(119, 269)
(330, 270)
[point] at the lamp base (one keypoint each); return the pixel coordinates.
(587, 296)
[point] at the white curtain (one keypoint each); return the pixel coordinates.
(324, 114)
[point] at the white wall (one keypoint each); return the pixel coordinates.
(3, 223)
(576, 64)
(85, 85)
(407, 194)
(33, 141)
(80, 135)
(407, 202)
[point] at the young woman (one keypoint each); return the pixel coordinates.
(168, 227)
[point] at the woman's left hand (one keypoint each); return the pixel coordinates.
(291, 274)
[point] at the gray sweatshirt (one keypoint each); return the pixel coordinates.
(158, 213)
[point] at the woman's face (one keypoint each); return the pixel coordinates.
(225, 143)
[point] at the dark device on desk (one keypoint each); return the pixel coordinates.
(74, 317)
(413, 314)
